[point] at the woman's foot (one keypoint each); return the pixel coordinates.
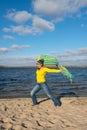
(57, 104)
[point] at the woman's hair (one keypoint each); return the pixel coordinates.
(41, 62)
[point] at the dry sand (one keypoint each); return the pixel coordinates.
(19, 114)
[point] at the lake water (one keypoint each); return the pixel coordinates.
(18, 82)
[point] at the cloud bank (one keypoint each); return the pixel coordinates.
(35, 24)
(68, 58)
(59, 9)
(46, 13)
(71, 58)
(26, 23)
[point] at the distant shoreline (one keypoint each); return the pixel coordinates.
(26, 67)
(17, 67)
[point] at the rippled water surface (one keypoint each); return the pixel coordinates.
(18, 82)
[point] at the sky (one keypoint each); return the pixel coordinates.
(29, 28)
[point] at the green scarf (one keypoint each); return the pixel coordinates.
(53, 62)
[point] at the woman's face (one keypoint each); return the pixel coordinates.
(38, 65)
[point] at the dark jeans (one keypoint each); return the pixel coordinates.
(45, 87)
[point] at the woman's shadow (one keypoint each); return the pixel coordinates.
(59, 96)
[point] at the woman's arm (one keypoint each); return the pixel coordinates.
(53, 70)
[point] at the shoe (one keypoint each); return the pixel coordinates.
(57, 104)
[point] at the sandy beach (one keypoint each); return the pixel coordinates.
(19, 114)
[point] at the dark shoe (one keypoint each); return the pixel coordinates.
(57, 104)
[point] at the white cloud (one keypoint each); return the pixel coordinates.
(35, 24)
(5, 29)
(3, 50)
(70, 57)
(78, 58)
(69, 53)
(46, 13)
(40, 24)
(20, 29)
(8, 37)
(18, 16)
(79, 52)
(13, 48)
(17, 47)
(58, 9)
(82, 51)
(18, 61)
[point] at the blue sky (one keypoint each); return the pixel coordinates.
(29, 28)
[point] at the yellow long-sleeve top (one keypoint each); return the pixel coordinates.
(41, 73)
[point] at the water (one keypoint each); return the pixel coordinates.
(18, 82)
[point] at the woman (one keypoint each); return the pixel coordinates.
(41, 83)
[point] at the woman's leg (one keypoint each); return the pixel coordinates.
(49, 94)
(35, 90)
